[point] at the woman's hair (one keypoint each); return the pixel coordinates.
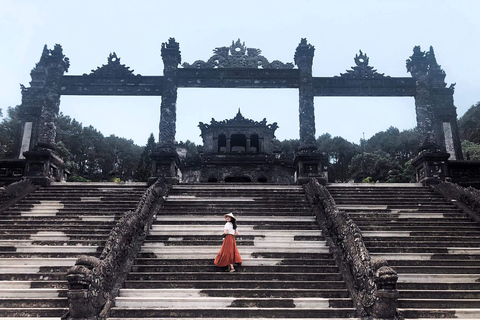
(234, 223)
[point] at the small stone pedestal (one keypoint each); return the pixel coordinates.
(431, 167)
(165, 165)
(310, 163)
(43, 167)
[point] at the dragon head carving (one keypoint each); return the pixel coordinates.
(86, 294)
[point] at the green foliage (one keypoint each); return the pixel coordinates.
(76, 178)
(469, 124)
(89, 154)
(9, 132)
(401, 146)
(375, 166)
(340, 153)
(288, 147)
(143, 170)
(471, 150)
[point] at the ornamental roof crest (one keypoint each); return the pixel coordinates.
(362, 69)
(113, 69)
(238, 56)
(239, 119)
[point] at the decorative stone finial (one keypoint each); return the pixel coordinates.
(171, 48)
(304, 49)
(113, 68)
(238, 56)
(362, 69)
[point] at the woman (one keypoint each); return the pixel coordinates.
(229, 254)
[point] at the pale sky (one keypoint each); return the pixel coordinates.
(386, 30)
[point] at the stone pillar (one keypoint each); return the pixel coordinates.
(247, 146)
(308, 160)
(165, 156)
(418, 66)
(39, 110)
(168, 110)
(436, 118)
(445, 112)
(304, 60)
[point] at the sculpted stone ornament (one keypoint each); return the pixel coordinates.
(86, 294)
(94, 282)
(240, 120)
(374, 282)
(113, 69)
(362, 69)
(238, 56)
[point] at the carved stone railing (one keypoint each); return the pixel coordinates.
(14, 192)
(467, 199)
(94, 282)
(372, 283)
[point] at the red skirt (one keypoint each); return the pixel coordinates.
(228, 253)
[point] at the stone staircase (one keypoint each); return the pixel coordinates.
(287, 270)
(41, 236)
(433, 245)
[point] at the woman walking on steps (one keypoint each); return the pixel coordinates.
(229, 254)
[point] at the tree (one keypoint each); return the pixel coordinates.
(340, 153)
(143, 170)
(376, 166)
(471, 150)
(469, 124)
(401, 146)
(9, 131)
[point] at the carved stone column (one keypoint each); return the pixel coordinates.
(165, 157)
(168, 110)
(308, 160)
(436, 118)
(445, 112)
(418, 66)
(40, 106)
(304, 61)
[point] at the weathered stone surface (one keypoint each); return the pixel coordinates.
(304, 61)
(168, 109)
(367, 277)
(94, 282)
(238, 56)
(362, 69)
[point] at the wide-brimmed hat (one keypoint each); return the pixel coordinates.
(230, 215)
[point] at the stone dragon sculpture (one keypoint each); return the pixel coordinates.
(372, 282)
(94, 282)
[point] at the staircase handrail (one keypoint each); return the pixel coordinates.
(14, 192)
(467, 199)
(94, 282)
(371, 282)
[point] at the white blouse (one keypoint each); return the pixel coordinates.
(229, 228)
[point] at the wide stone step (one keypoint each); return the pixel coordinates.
(236, 293)
(35, 302)
(439, 294)
(435, 313)
(421, 244)
(240, 276)
(250, 268)
(233, 312)
(228, 302)
(34, 312)
(32, 293)
(228, 283)
(459, 269)
(440, 304)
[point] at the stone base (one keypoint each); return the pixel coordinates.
(310, 164)
(431, 167)
(44, 167)
(165, 164)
